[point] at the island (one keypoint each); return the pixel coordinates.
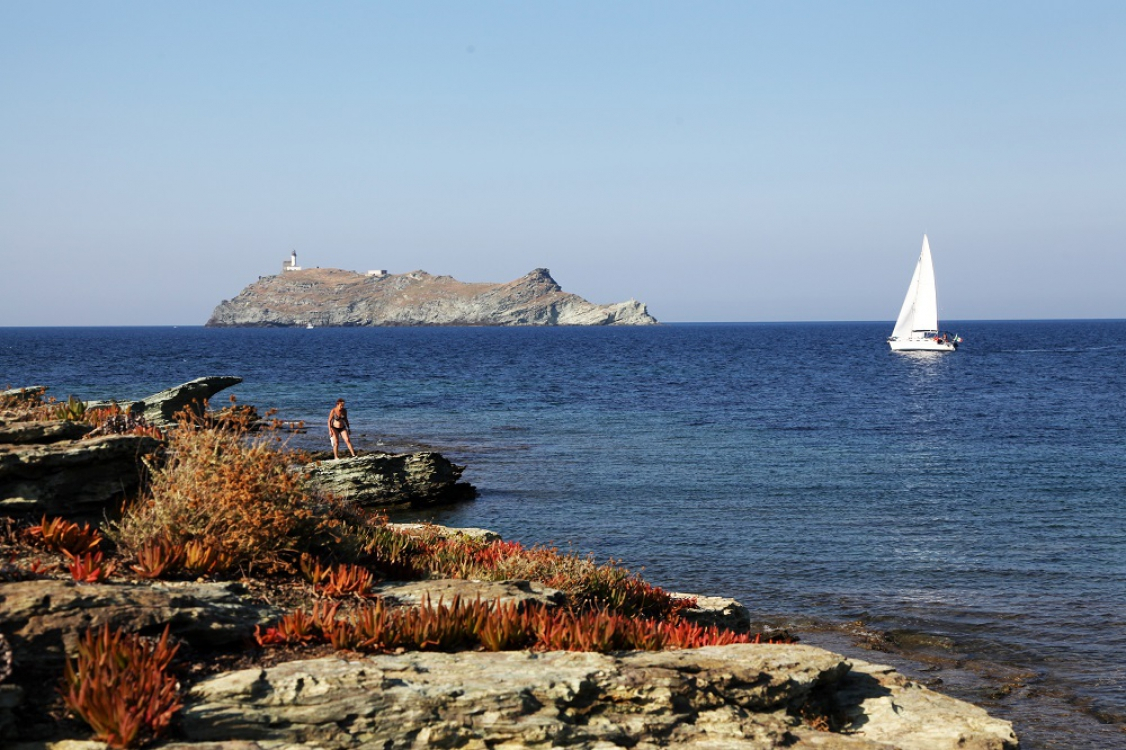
(318, 297)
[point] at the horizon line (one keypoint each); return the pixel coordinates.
(947, 324)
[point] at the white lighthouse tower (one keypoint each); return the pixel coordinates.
(291, 264)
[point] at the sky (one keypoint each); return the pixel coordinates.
(719, 161)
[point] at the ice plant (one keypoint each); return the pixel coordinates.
(158, 558)
(493, 626)
(119, 684)
(89, 567)
(64, 536)
(299, 627)
(347, 580)
(202, 559)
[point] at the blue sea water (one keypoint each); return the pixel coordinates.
(971, 505)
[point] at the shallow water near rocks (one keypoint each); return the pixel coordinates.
(961, 516)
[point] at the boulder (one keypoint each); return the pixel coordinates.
(79, 479)
(384, 480)
(744, 696)
(11, 696)
(716, 611)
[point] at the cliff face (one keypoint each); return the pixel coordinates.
(332, 297)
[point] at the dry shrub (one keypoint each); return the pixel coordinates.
(119, 684)
(229, 491)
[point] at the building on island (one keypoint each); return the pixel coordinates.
(291, 264)
(377, 274)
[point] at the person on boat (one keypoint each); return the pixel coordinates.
(338, 427)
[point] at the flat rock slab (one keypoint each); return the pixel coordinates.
(414, 593)
(24, 433)
(475, 534)
(720, 697)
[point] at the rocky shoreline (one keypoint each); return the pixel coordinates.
(239, 694)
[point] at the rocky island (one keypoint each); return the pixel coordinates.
(317, 297)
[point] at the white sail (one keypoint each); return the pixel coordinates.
(920, 306)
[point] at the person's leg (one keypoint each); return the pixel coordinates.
(335, 443)
(348, 440)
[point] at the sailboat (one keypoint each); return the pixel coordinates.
(916, 329)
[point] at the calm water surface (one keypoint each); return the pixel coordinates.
(964, 512)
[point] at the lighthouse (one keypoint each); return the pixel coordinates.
(291, 264)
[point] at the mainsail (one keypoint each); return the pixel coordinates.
(920, 306)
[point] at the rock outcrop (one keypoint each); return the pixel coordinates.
(332, 297)
(160, 409)
(385, 480)
(733, 697)
(48, 468)
(56, 468)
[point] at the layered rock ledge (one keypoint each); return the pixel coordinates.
(734, 697)
(332, 297)
(50, 468)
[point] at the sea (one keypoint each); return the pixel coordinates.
(959, 516)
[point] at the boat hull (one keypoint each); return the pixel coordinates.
(922, 345)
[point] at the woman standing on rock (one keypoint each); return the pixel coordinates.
(338, 427)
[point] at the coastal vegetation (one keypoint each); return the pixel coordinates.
(221, 501)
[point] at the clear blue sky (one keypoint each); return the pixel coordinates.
(721, 161)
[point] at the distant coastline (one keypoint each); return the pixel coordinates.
(330, 297)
